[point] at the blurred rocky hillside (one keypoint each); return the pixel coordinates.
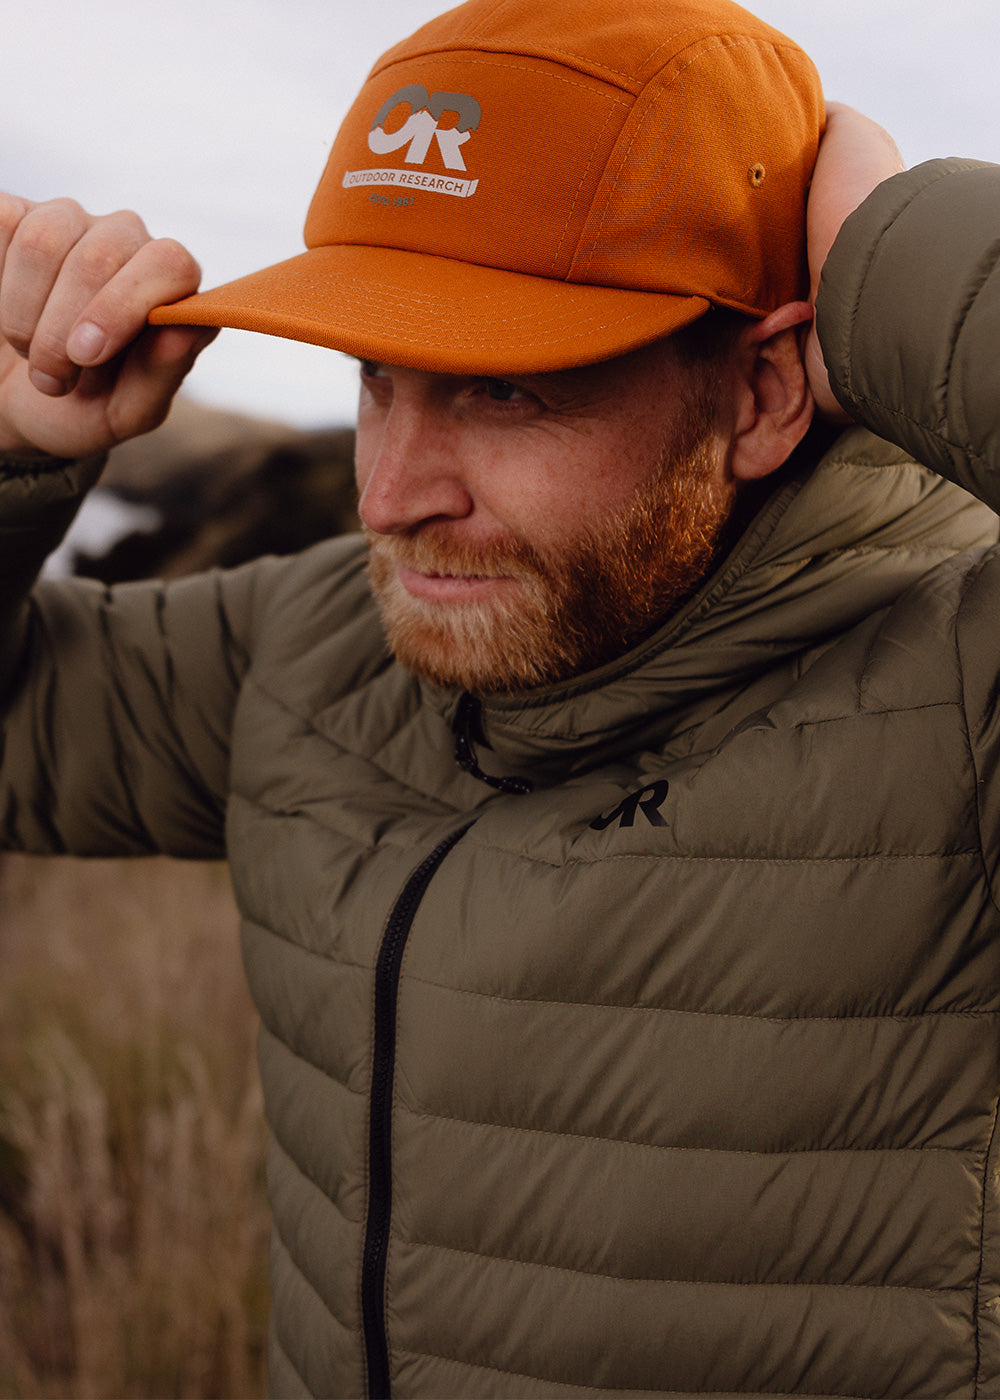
(211, 487)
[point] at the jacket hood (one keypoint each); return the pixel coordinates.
(839, 538)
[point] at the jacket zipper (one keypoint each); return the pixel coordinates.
(468, 730)
(387, 971)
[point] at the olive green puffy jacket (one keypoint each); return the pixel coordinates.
(668, 1066)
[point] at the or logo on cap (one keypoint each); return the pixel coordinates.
(423, 125)
(418, 133)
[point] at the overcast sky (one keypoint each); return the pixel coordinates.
(213, 118)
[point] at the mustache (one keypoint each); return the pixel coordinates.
(429, 551)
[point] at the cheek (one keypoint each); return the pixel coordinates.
(596, 485)
(365, 439)
(361, 473)
(555, 486)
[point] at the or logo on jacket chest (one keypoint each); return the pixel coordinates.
(644, 804)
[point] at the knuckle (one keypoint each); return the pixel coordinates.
(97, 261)
(142, 417)
(48, 353)
(67, 208)
(151, 418)
(175, 259)
(12, 211)
(46, 233)
(17, 338)
(129, 225)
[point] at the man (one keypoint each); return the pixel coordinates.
(624, 946)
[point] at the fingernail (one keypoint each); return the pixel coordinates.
(46, 383)
(86, 343)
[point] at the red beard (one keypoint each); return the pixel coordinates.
(575, 606)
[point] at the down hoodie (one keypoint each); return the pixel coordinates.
(638, 1035)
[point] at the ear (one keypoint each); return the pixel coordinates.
(774, 402)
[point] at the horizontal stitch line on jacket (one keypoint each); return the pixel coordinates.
(257, 927)
(275, 1345)
(309, 723)
(681, 1282)
(305, 811)
(974, 1159)
(573, 1388)
(901, 417)
(945, 550)
(783, 647)
(861, 1018)
(286, 1049)
(278, 1146)
(882, 713)
(293, 1264)
(658, 857)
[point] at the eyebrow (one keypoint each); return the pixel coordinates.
(568, 385)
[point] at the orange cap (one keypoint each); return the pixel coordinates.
(526, 185)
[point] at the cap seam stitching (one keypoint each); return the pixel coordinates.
(453, 338)
(382, 292)
(386, 294)
(672, 39)
(458, 53)
(579, 188)
(619, 99)
(490, 14)
(727, 39)
(570, 56)
(721, 41)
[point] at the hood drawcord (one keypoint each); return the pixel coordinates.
(468, 732)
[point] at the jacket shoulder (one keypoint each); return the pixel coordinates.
(909, 318)
(312, 626)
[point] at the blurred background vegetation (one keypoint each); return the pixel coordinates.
(133, 1218)
(133, 1222)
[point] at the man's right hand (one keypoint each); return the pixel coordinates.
(80, 370)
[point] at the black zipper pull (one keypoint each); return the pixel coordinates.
(468, 732)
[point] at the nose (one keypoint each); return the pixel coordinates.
(409, 466)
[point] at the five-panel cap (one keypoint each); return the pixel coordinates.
(524, 186)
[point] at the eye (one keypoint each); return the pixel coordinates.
(502, 391)
(376, 382)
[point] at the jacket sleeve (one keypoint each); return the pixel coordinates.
(908, 315)
(39, 496)
(909, 320)
(117, 702)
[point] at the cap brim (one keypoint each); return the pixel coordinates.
(434, 313)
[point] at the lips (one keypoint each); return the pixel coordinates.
(450, 588)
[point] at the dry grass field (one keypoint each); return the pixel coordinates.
(132, 1215)
(133, 1222)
